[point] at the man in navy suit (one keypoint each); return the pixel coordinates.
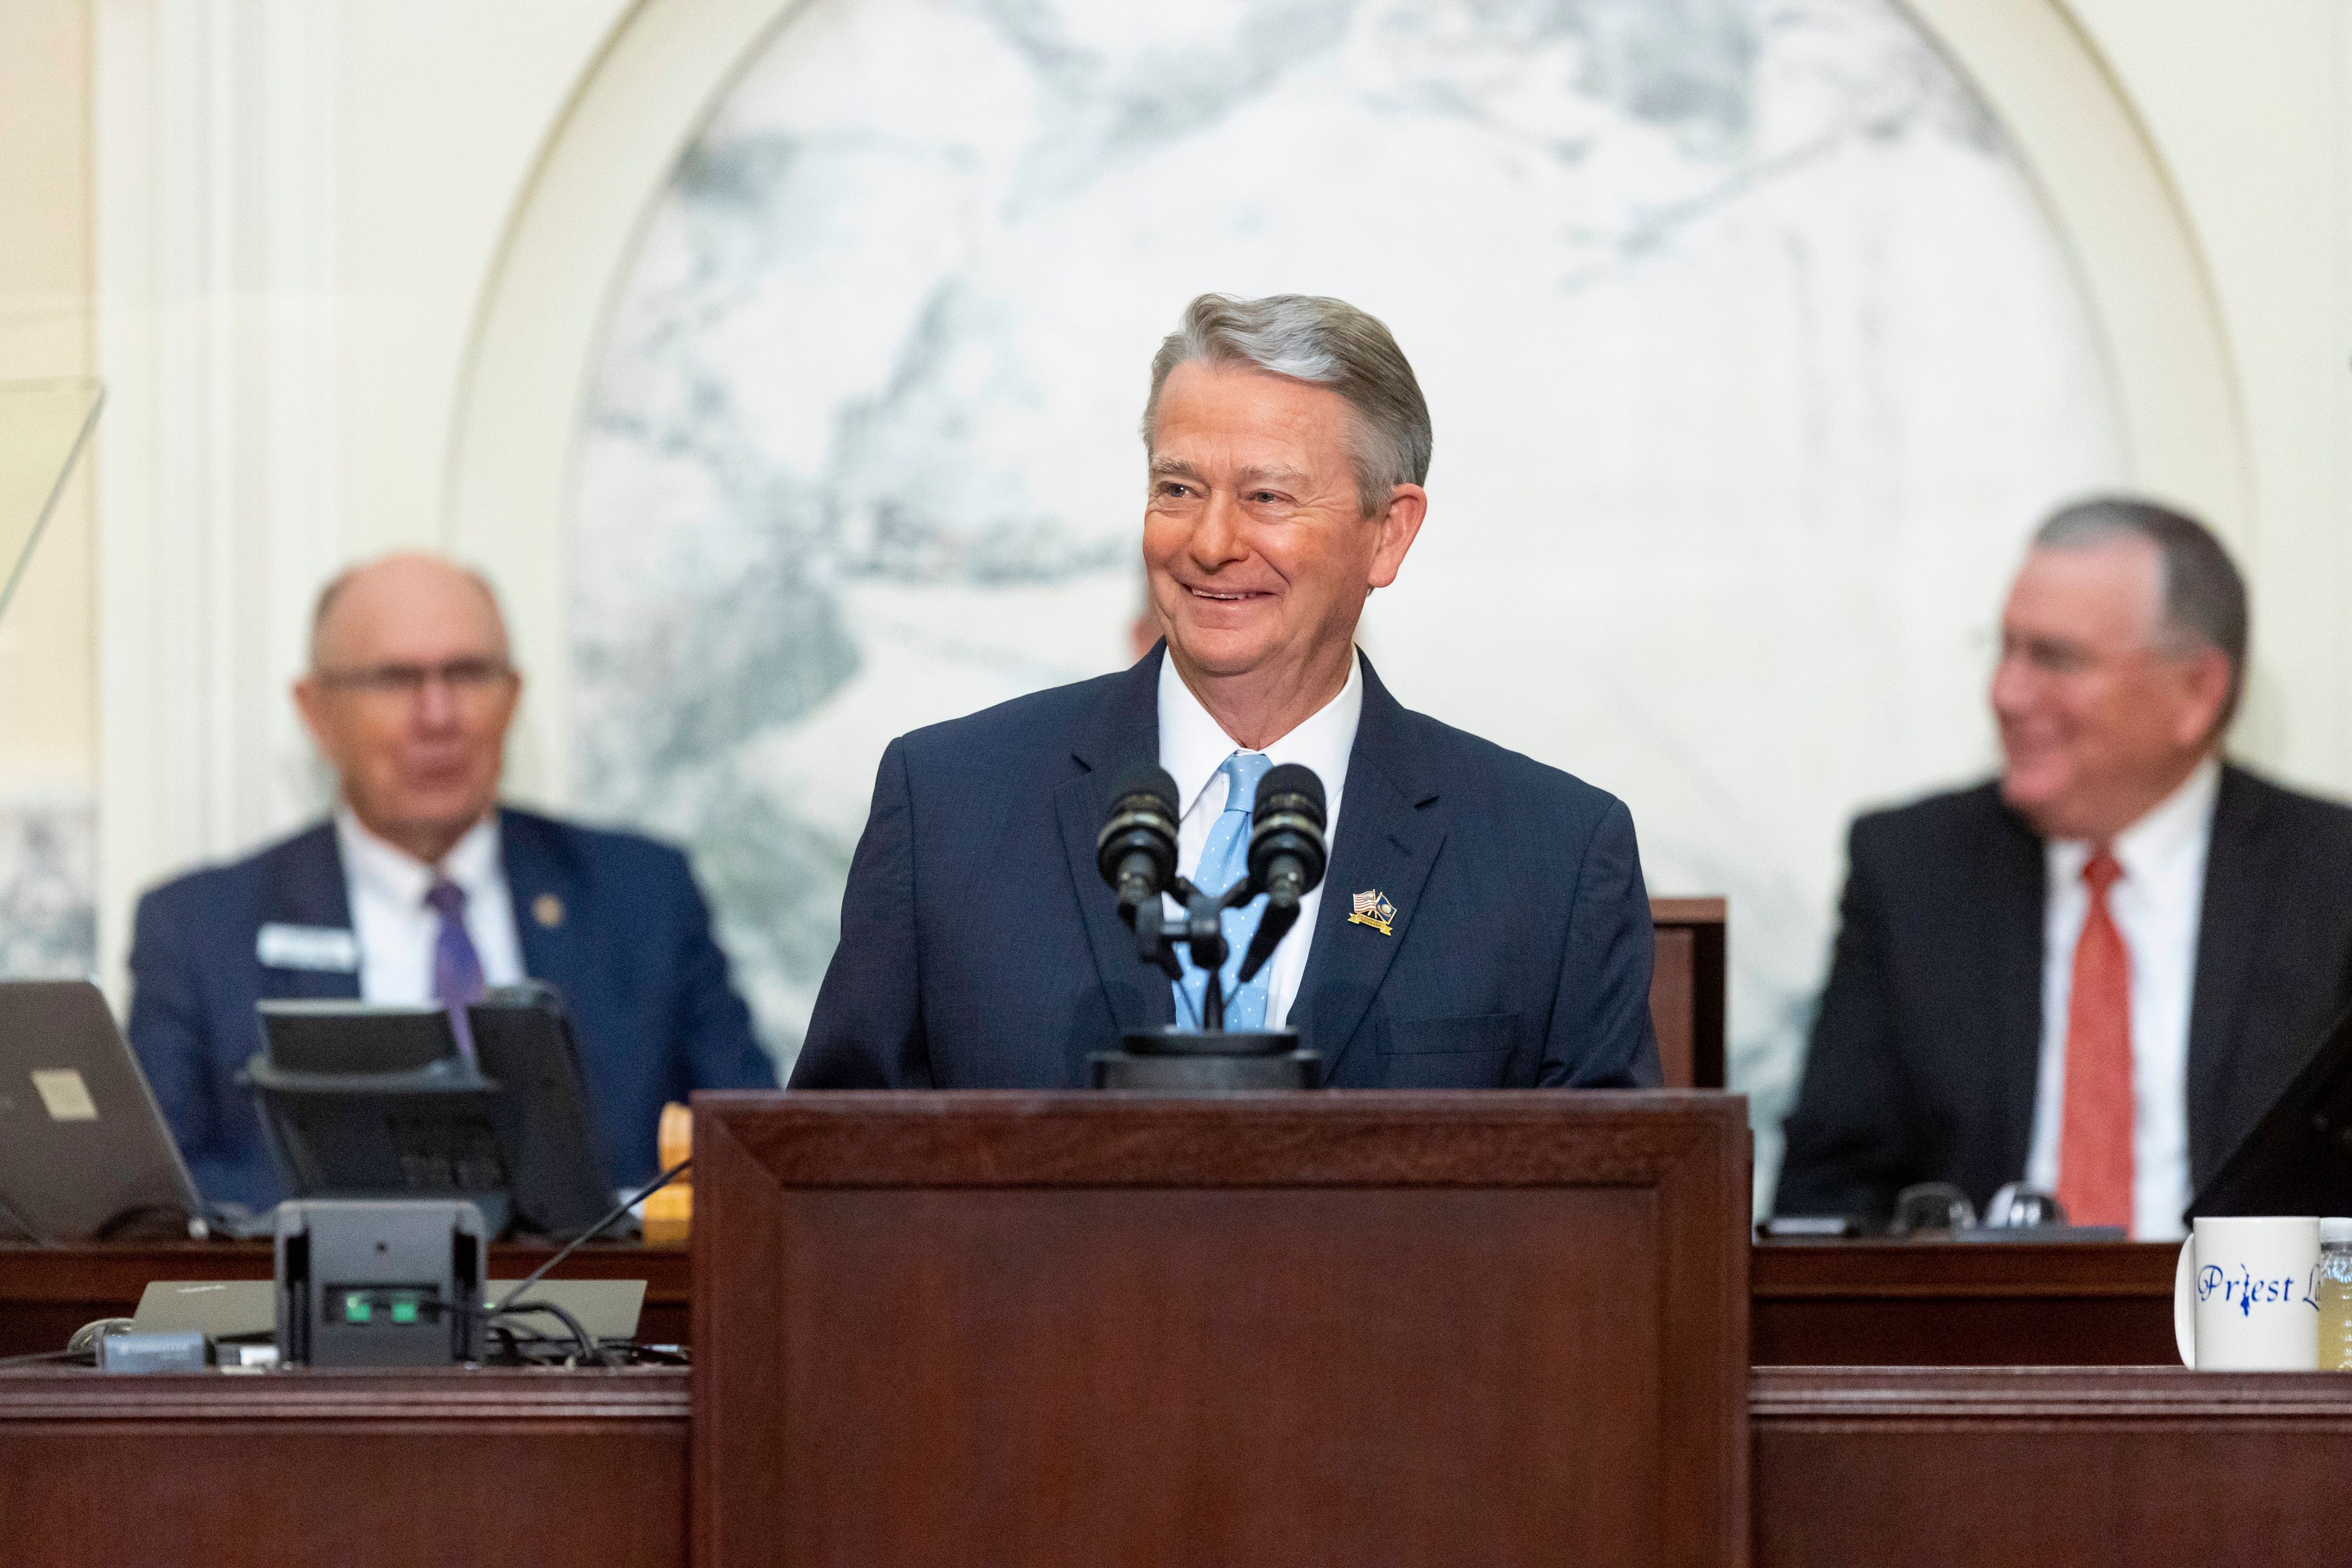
(1485, 923)
(422, 889)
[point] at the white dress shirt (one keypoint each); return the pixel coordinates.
(1193, 747)
(395, 928)
(2157, 905)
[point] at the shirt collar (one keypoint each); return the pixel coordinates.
(394, 873)
(1193, 747)
(2172, 824)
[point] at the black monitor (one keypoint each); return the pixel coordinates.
(367, 1101)
(2298, 1158)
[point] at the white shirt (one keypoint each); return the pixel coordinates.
(1193, 747)
(395, 928)
(2157, 905)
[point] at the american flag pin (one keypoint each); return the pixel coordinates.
(1374, 910)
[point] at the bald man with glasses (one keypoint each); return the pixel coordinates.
(2094, 973)
(421, 887)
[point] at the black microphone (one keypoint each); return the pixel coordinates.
(1136, 847)
(1286, 851)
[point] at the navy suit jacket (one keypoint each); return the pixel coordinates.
(630, 953)
(1926, 1053)
(981, 948)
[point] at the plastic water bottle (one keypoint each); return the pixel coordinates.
(2334, 1295)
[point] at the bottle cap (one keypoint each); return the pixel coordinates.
(2335, 1232)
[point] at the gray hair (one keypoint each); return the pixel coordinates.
(2204, 599)
(1325, 343)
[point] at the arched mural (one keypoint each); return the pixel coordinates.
(1751, 357)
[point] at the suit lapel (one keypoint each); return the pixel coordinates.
(1385, 845)
(543, 880)
(2013, 900)
(1124, 730)
(2237, 868)
(304, 887)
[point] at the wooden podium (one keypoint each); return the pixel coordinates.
(1361, 1328)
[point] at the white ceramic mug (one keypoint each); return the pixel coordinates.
(2242, 1296)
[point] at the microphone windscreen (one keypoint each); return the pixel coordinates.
(1295, 780)
(1149, 779)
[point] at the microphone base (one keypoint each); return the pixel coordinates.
(1189, 1061)
(1181, 1042)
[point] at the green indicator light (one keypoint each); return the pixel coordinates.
(403, 1312)
(358, 1309)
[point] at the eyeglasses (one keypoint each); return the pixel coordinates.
(2065, 660)
(467, 679)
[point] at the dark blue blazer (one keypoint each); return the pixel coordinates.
(981, 948)
(630, 953)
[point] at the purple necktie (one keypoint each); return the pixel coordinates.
(456, 967)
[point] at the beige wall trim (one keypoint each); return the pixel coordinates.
(2128, 236)
(214, 151)
(526, 377)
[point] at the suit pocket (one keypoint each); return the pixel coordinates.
(1449, 1053)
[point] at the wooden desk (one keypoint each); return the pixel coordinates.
(1687, 989)
(1913, 1466)
(1925, 1303)
(1849, 1303)
(348, 1468)
(1927, 1466)
(46, 1294)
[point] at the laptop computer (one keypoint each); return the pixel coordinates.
(246, 1309)
(84, 1149)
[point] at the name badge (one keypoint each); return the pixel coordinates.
(328, 949)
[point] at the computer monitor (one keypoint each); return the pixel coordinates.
(84, 1149)
(365, 1100)
(2298, 1158)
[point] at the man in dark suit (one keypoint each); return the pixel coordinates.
(1483, 922)
(422, 889)
(2094, 973)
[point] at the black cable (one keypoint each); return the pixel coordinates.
(588, 1350)
(625, 1205)
(37, 1356)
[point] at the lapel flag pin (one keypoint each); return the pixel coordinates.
(548, 910)
(1374, 910)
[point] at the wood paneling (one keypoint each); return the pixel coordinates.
(352, 1469)
(1047, 1329)
(1924, 1303)
(1687, 990)
(1922, 1468)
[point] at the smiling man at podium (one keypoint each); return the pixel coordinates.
(1485, 923)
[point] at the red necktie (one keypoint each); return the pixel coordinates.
(2094, 1146)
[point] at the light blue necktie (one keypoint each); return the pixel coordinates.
(1225, 860)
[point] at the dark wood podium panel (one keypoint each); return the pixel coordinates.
(1362, 1327)
(1923, 1468)
(1687, 989)
(348, 1468)
(47, 1293)
(1925, 1303)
